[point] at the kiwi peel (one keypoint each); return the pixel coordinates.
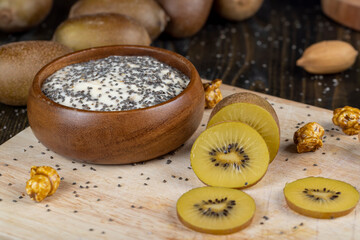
(215, 210)
(253, 110)
(20, 15)
(319, 197)
(103, 29)
(230, 154)
(19, 63)
(147, 12)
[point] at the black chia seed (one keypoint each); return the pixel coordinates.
(115, 83)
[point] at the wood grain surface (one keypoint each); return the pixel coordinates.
(258, 54)
(138, 201)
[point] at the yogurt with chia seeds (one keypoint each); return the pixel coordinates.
(115, 83)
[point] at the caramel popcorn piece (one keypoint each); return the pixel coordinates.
(43, 182)
(212, 93)
(309, 137)
(348, 118)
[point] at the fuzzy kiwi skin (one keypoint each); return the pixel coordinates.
(19, 63)
(228, 231)
(237, 10)
(187, 17)
(147, 12)
(19, 15)
(100, 30)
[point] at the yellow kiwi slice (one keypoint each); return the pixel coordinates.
(215, 210)
(230, 154)
(321, 197)
(253, 110)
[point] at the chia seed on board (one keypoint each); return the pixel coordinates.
(115, 83)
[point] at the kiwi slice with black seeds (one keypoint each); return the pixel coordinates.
(253, 110)
(321, 197)
(215, 210)
(230, 154)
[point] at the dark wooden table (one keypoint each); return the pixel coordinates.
(257, 54)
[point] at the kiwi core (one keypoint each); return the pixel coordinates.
(215, 208)
(321, 194)
(231, 155)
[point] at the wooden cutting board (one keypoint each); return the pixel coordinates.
(138, 201)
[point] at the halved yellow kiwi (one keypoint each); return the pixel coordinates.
(230, 154)
(321, 197)
(253, 110)
(215, 210)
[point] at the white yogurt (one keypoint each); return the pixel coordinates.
(115, 83)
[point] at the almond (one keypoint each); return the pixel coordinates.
(328, 57)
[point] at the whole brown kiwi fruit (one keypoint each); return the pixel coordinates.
(101, 30)
(237, 10)
(187, 17)
(147, 12)
(19, 15)
(19, 63)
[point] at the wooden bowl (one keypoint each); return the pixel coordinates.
(116, 137)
